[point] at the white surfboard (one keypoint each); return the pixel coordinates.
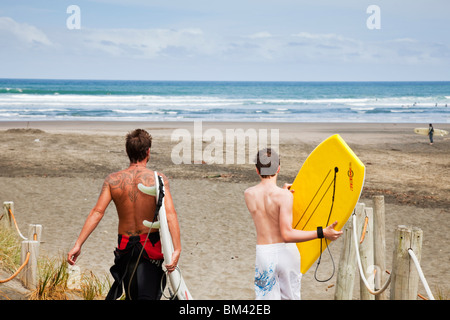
(175, 277)
(437, 132)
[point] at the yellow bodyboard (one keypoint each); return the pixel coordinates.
(331, 170)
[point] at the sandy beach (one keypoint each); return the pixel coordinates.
(53, 171)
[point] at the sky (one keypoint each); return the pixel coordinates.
(226, 40)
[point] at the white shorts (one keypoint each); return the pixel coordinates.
(277, 272)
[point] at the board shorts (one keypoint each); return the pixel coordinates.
(277, 272)
(146, 280)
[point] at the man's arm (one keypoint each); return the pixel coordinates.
(174, 228)
(292, 235)
(91, 222)
(287, 232)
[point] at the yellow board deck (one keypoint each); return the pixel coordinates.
(332, 170)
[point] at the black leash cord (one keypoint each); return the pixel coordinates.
(329, 215)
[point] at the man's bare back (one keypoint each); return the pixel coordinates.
(132, 206)
(264, 202)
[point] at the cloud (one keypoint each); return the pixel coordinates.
(259, 35)
(404, 51)
(303, 47)
(197, 45)
(147, 43)
(22, 33)
(318, 36)
(336, 48)
(317, 47)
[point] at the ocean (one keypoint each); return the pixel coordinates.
(107, 100)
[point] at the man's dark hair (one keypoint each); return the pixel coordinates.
(267, 162)
(137, 143)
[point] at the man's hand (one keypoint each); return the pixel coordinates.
(173, 264)
(330, 234)
(288, 186)
(73, 255)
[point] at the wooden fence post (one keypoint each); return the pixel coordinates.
(347, 266)
(347, 262)
(379, 234)
(416, 246)
(367, 256)
(8, 205)
(30, 246)
(35, 229)
(405, 279)
(29, 274)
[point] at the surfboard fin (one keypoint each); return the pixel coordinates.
(147, 190)
(153, 225)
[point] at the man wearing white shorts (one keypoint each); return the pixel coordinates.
(277, 265)
(277, 272)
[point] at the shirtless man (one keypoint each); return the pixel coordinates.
(139, 271)
(277, 265)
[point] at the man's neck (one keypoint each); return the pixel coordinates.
(141, 164)
(269, 180)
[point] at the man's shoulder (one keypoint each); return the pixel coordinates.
(114, 175)
(123, 174)
(283, 193)
(117, 174)
(251, 190)
(162, 175)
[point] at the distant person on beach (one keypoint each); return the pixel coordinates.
(430, 133)
(138, 261)
(277, 265)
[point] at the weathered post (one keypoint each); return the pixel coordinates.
(35, 232)
(29, 274)
(347, 265)
(416, 246)
(379, 235)
(405, 279)
(8, 208)
(367, 256)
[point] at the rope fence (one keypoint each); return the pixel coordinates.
(361, 272)
(419, 270)
(29, 250)
(11, 215)
(18, 270)
(368, 253)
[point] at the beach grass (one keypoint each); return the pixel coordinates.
(53, 283)
(440, 293)
(9, 249)
(93, 287)
(53, 273)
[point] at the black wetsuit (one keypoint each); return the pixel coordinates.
(146, 280)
